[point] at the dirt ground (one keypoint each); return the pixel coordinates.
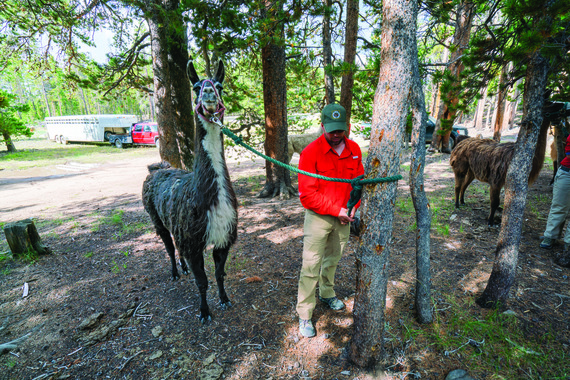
(104, 306)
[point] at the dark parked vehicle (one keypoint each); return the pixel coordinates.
(456, 131)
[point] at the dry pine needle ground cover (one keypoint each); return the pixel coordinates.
(104, 306)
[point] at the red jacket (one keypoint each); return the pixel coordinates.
(326, 197)
(566, 161)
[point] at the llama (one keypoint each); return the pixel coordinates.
(197, 208)
(296, 143)
(488, 161)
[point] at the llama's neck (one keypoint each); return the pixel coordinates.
(213, 181)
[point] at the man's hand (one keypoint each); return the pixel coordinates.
(344, 217)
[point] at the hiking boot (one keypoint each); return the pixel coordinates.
(333, 302)
(306, 328)
(546, 243)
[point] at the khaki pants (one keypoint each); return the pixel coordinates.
(325, 238)
(560, 207)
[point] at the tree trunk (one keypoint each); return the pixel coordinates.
(423, 303)
(500, 109)
(391, 103)
(488, 117)
(448, 110)
(278, 179)
(173, 93)
(327, 53)
(351, 33)
(516, 187)
(478, 122)
(23, 237)
(512, 113)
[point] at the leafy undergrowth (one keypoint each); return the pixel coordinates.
(111, 270)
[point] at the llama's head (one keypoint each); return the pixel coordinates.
(208, 92)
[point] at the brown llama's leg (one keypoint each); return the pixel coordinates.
(459, 179)
(197, 266)
(469, 177)
(495, 195)
(220, 257)
(167, 240)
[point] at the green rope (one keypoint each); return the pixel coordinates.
(357, 183)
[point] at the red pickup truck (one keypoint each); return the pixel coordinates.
(144, 133)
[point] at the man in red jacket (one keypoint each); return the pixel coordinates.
(559, 210)
(327, 223)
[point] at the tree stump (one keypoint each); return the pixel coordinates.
(22, 237)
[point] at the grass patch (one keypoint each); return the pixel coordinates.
(494, 343)
(40, 152)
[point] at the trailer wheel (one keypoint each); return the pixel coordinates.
(57, 139)
(119, 143)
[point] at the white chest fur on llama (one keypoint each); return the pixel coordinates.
(222, 215)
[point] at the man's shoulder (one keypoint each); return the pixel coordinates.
(353, 146)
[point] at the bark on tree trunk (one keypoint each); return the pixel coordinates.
(351, 33)
(513, 108)
(448, 109)
(10, 147)
(421, 203)
(278, 179)
(391, 104)
(478, 123)
(488, 117)
(327, 53)
(173, 94)
(516, 187)
(500, 109)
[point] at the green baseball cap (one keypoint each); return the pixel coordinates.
(333, 117)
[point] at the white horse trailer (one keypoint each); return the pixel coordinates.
(88, 128)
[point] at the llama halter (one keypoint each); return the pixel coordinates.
(219, 113)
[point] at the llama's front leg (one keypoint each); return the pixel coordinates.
(167, 239)
(220, 257)
(197, 266)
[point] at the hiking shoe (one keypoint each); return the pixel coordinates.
(333, 302)
(306, 328)
(546, 243)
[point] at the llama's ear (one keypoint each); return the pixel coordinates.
(221, 73)
(191, 71)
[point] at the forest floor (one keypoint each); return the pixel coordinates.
(103, 304)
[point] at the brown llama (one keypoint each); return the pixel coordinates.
(197, 208)
(488, 161)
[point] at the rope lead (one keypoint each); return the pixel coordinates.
(356, 183)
